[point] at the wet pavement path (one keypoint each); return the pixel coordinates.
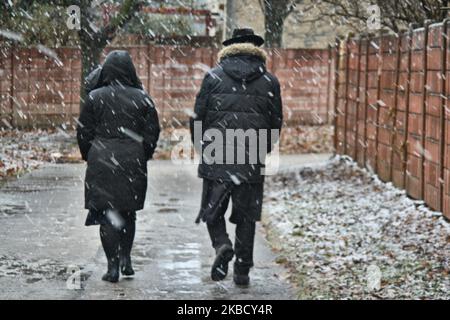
(42, 235)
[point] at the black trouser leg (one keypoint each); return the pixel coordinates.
(243, 247)
(127, 237)
(110, 238)
(215, 199)
(126, 244)
(218, 232)
(224, 248)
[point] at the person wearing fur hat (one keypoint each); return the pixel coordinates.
(238, 94)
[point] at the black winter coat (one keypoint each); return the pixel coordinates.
(117, 133)
(238, 94)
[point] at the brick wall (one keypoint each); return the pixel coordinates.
(391, 101)
(36, 91)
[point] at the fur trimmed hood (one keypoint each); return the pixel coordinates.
(241, 49)
(243, 61)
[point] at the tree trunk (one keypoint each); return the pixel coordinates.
(274, 31)
(275, 13)
(230, 17)
(93, 42)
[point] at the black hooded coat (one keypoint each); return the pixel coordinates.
(117, 134)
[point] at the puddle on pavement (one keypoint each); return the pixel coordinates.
(158, 204)
(27, 189)
(167, 210)
(182, 265)
(141, 254)
(36, 182)
(189, 250)
(33, 280)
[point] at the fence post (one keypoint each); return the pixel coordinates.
(163, 85)
(358, 82)
(317, 57)
(336, 91)
(423, 111)
(394, 125)
(442, 114)
(330, 61)
(366, 99)
(2, 91)
(28, 74)
(148, 68)
(347, 59)
(377, 117)
(408, 91)
(11, 88)
(72, 116)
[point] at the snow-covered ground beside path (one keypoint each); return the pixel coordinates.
(333, 221)
(21, 151)
(24, 150)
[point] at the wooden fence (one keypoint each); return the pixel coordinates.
(391, 100)
(38, 91)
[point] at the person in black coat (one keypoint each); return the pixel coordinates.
(238, 95)
(117, 134)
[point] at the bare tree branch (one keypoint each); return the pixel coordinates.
(395, 15)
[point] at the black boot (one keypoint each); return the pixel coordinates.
(241, 278)
(224, 249)
(126, 244)
(112, 275)
(219, 269)
(240, 275)
(110, 238)
(125, 266)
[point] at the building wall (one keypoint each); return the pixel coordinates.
(245, 13)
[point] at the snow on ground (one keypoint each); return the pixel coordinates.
(21, 151)
(307, 139)
(294, 140)
(333, 222)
